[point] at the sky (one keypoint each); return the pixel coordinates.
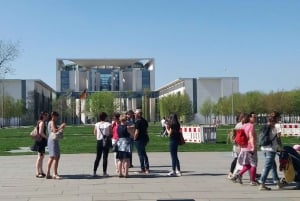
(255, 40)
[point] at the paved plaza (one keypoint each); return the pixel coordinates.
(203, 179)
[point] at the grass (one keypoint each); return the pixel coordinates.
(80, 139)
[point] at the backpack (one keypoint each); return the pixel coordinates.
(264, 136)
(241, 137)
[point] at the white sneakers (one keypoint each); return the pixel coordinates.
(172, 173)
(178, 173)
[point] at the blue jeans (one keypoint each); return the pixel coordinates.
(174, 155)
(141, 150)
(270, 164)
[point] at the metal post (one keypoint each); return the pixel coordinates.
(232, 110)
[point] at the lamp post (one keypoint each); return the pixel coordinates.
(232, 112)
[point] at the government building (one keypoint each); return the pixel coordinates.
(132, 80)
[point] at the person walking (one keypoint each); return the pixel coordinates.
(248, 155)
(234, 166)
(40, 145)
(53, 146)
(269, 152)
(103, 133)
(141, 139)
(173, 129)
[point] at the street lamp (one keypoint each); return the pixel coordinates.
(232, 112)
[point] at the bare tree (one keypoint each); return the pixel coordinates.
(9, 51)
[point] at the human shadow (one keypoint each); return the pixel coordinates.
(79, 176)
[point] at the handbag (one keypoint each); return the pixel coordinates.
(35, 134)
(57, 136)
(181, 140)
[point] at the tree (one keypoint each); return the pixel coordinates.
(20, 110)
(206, 110)
(9, 51)
(101, 102)
(176, 103)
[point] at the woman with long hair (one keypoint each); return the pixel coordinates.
(53, 146)
(39, 145)
(173, 129)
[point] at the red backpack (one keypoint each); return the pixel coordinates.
(241, 137)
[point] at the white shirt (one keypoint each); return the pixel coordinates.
(104, 127)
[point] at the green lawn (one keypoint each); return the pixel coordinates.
(80, 139)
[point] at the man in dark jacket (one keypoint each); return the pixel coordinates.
(141, 139)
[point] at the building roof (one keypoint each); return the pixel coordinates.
(122, 63)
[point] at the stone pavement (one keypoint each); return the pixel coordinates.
(203, 179)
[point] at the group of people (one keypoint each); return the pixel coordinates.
(245, 157)
(45, 140)
(125, 131)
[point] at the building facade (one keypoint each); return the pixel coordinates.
(129, 79)
(36, 96)
(105, 75)
(201, 89)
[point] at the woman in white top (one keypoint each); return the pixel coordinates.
(102, 130)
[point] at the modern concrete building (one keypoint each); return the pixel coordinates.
(133, 81)
(201, 89)
(121, 76)
(105, 74)
(35, 94)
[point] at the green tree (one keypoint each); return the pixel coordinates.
(19, 110)
(101, 102)
(206, 110)
(176, 103)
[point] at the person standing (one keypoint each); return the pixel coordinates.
(130, 126)
(163, 127)
(173, 129)
(41, 144)
(141, 139)
(53, 146)
(102, 131)
(270, 154)
(248, 155)
(115, 124)
(124, 148)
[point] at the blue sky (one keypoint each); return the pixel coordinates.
(257, 41)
